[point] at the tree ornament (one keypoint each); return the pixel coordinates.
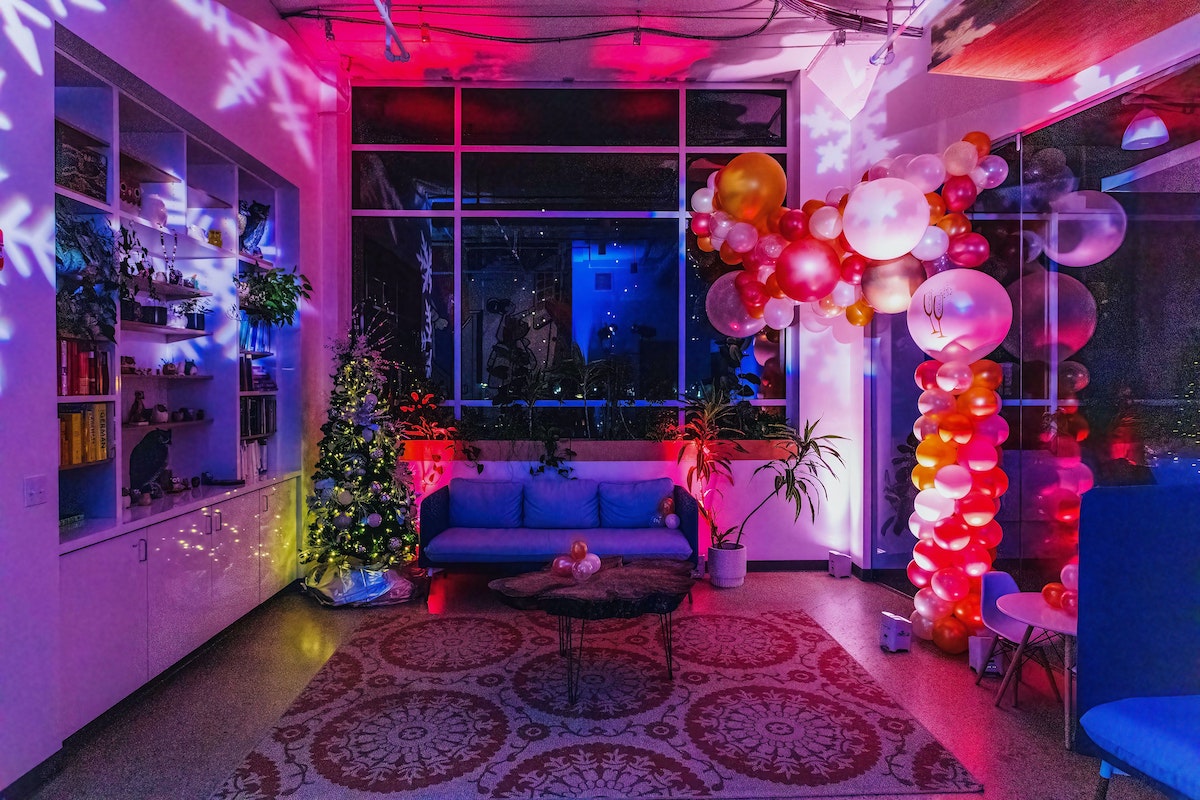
(375, 487)
(374, 520)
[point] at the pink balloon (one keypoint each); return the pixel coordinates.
(834, 196)
(722, 224)
(920, 527)
(955, 377)
(926, 172)
(807, 270)
(932, 505)
(950, 584)
(885, 218)
(935, 401)
(880, 169)
(844, 294)
(702, 200)
(994, 169)
(994, 429)
(969, 249)
(922, 628)
(779, 313)
(933, 244)
(1031, 339)
(769, 247)
(931, 606)
(953, 481)
(742, 237)
(725, 309)
(978, 455)
(562, 565)
(960, 315)
(1070, 577)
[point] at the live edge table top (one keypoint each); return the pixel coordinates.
(617, 590)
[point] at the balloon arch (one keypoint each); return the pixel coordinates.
(897, 242)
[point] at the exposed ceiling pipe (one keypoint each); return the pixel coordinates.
(881, 55)
(385, 13)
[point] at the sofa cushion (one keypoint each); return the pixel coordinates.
(559, 503)
(485, 504)
(632, 504)
(1159, 736)
(540, 545)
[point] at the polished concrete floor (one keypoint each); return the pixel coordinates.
(180, 737)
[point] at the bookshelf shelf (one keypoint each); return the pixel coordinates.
(149, 426)
(104, 462)
(168, 333)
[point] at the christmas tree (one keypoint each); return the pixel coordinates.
(361, 515)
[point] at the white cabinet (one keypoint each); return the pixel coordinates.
(279, 544)
(233, 564)
(103, 627)
(179, 586)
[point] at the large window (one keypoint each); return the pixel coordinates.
(529, 245)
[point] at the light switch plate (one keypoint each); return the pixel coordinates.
(35, 490)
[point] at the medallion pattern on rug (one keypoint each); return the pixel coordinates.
(769, 706)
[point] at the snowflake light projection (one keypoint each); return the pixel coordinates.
(21, 16)
(261, 68)
(27, 239)
(824, 124)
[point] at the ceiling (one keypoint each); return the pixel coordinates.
(587, 40)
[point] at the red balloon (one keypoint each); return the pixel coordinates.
(1052, 593)
(743, 279)
(950, 635)
(976, 560)
(1070, 602)
(951, 533)
(918, 577)
(959, 192)
(853, 267)
(701, 224)
(926, 375)
(989, 535)
(793, 225)
(930, 557)
(977, 509)
(808, 270)
(562, 565)
(993, 482)
(969, 612)
(753, 294)
(969, 249)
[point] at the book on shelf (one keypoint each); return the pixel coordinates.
(83, 369)
(83, 433)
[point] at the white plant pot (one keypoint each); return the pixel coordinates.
(727, 566)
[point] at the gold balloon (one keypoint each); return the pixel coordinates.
(860, 313)
(889, 285)
(954, 224)
(987, 373)
(729, 255)
(934, 453)
(705, 243)
(981, 141)
(937, 207)
(922, 477)
(751, 187)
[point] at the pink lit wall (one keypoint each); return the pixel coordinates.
(28, 535)
(238, 76)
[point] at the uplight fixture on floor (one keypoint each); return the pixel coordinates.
(1145, 130)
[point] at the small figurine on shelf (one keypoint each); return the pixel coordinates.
(137, 412)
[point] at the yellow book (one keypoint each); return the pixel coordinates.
(75, 420)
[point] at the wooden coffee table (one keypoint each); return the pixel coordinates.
(616, 591)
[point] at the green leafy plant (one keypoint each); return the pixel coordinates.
(272, 296)
(87, 278)
(899, 490)
(554, 458)
(800, 471)
(711, 435)
(193, 305)
(134, 269)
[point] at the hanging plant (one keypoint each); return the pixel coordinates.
(272, 296)
(87, 283)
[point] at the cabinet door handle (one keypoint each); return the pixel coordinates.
(208, 518)
(143, 550)
(220, 520)
(266, 503)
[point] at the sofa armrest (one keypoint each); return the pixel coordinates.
(435, 518)
(689, 520)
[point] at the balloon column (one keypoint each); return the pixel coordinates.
(578, 563)
(856, 252)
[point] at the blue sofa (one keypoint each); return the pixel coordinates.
(1139, 640)
(528, 523)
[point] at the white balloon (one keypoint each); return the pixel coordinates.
(885, 218)
(702, 201)
(825, 223)
(779, 313)
(844, 294)
(926, 172)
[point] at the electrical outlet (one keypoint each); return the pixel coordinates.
(35, 490)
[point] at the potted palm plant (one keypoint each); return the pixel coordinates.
(802, 462)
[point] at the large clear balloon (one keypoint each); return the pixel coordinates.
(751, 186)
(960, 158)
(926, 172)
(888, 286)
(725, 309)
(808, 270)
(960, 315)
(885, 218)
(1086, 228)
(932, 245)
(779, 314)
(1031, 339)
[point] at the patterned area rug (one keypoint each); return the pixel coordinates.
(475, 707)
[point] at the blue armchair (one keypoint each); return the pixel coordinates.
(1139, 634)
